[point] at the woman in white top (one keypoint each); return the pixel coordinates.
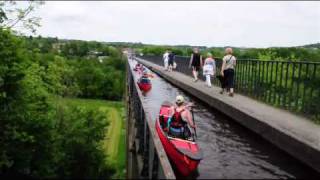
(227, 70)
(166, 59)
(209, 68)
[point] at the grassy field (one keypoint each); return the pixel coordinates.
(114, 142)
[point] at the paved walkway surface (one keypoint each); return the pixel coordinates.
(295, 134)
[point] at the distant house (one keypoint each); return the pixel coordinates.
(102, 57)
(125, 50)
(94, 54)
(57, 46)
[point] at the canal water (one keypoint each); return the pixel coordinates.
(230, 150)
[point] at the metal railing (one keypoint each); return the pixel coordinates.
(146, 157)
(294, 86)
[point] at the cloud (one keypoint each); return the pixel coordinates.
(254, 24)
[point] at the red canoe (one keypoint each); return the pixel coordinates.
(144, 84)
(137, 68)
(184, 154)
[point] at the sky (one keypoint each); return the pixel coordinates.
(205, 23)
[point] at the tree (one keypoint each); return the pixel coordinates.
(60, 78)
(25, 121)
(39, 137)
(13, 16)
(80, 132)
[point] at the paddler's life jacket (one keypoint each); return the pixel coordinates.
(177, 121)
(144, 80)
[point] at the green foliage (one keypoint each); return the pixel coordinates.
(39, 136)
(73, 68)
(160, 50)
(101, 80)
(42, 138)
(91, 79)
(25, 119)
(80, 132)
(75, 48)
(114, 138)
(61, 78)
(306, 53)
(288, 54)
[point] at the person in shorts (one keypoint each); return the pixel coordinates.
(195, 63)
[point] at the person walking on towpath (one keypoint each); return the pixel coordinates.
(195, 63)
(171, 60)
(227, 70)
(165, 58)
(209, 69)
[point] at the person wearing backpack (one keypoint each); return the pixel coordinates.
(171, 60)
(180, 119)
(227, 71)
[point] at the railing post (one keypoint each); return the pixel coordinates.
(271, 83)
(145, 169)
(312, 85)
(280, 94)
(251, 78)
(292, 85)
(276, 86)
(256, 78)
(155, 166)
(141, 129)
(152, 155)
(298, 87)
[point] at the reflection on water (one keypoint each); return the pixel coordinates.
(230, 150)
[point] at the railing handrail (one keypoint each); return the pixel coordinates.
(260, 60)
(291, 85)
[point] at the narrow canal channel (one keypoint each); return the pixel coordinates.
(230, 150)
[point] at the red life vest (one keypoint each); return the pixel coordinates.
(177, 121)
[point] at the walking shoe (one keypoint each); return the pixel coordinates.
(221, 92)
(231, 94)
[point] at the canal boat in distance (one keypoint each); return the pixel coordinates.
(184, 154)
(136, 67)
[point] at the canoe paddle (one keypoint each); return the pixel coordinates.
(195, 132)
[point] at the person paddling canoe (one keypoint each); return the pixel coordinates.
(180, 118)
(147, 73)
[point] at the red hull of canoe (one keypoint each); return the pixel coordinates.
(185, 155)
(145, 86)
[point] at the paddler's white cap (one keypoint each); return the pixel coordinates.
(179, 99)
